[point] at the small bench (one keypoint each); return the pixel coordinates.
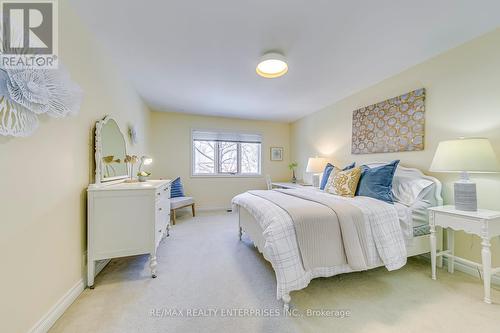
(180, 202)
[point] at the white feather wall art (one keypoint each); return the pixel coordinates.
(134, 137)
(28, 93)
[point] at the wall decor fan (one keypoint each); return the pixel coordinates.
(29, 92)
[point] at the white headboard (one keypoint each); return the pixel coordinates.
(433, 196)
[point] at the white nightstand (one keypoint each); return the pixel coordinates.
(484, 223)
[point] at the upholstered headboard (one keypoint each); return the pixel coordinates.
(433, 196)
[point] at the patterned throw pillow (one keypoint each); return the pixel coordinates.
(328, 170)
(343, 183)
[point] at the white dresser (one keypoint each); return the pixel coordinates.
(126, 219)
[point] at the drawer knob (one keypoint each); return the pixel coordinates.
(160, 208)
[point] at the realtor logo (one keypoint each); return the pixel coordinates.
(29, 34)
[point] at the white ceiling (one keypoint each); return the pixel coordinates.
(200, 56)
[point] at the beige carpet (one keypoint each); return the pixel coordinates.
(202, 265)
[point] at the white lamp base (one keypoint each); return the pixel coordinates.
(465, 194)
(315, 180)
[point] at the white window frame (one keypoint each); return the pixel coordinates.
(218, 174)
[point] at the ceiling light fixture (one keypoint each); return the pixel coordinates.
(272, 65)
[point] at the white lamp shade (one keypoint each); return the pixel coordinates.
(146, 160)
(316, 164)
(475, 155)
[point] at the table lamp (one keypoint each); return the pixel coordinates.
(316, 165)
(464, 156)
(145, 160)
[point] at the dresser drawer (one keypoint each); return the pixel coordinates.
(162, 207)
(161, 221)
(458, 223)
(163, 192)
(162, 203)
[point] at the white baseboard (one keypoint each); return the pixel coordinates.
(464, 268)
(212, 208)
(49, 319)
(471, 270)
(46, 322)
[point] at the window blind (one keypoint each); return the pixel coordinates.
(202, 135)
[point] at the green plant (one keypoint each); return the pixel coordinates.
(293, 165)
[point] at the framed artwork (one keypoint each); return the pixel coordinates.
(276, 153)
(394, 125)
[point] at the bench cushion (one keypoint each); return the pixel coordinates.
(180, 202)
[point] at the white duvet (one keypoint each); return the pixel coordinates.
(383, 232)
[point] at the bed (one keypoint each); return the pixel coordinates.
(307, 233)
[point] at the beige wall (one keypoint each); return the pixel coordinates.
(43, 180)
(171, 149)
(463, 99)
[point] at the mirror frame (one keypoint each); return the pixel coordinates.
(98, 151)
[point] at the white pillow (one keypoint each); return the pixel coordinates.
(408, 191)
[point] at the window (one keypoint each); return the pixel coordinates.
(226, 154)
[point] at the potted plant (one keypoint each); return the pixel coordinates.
(292, 166)
(143, 175)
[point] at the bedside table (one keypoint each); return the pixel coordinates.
(483, 223)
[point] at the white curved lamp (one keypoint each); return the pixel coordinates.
(145, 160)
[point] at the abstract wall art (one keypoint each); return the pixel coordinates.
(394, 125)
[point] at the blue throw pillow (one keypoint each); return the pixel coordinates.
(377, 182)
(176, 189)
(328, 170)
(326, 173)
(350, 166)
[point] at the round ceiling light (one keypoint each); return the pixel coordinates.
(272, 65)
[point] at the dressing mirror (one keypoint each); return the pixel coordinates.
(110, 151)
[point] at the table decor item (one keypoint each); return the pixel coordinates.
(292, 166)
(131, 160)
(143, 175)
